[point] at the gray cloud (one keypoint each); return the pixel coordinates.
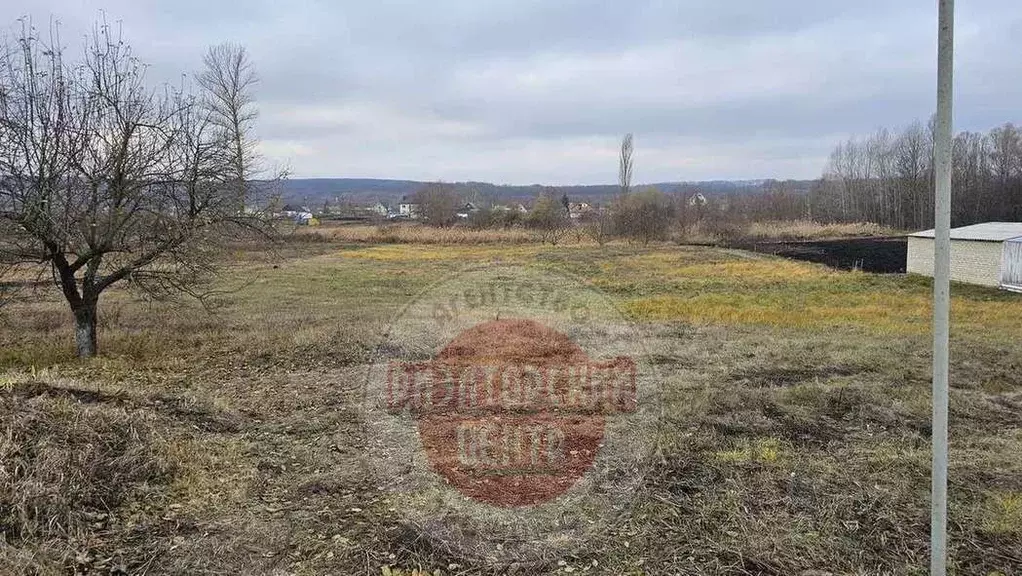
(525, 91)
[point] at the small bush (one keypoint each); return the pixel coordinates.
(644, 216)
(548, 219)
(724, 230)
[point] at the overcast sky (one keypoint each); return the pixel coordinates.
(541, 91)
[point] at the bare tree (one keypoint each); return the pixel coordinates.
(438, 204)
(228, 81)
(104, 180)
(624, 174)
(889, 179)
(1006, 161)
(912, 164)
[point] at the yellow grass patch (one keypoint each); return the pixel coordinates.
(762, 450)
(419, 234)
(755, 271)
(701, 266)
(789, 294)
(663, 261)
(400, 252)
(890, 312)
(1003, 514)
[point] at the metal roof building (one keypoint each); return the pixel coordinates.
(989, 254)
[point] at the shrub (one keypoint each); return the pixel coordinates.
(483, 219)
(644, 216)
(548, 218)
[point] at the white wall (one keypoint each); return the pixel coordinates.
(972, 261)
(1011, 266)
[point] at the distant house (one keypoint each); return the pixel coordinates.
(516, 207)
(291, 210)
(697, 199)
(578, 210)
(408, 207)
(466, 210)
(989, 254)
(300, 214)
(379, 209)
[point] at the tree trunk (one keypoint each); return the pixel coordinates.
(85, 329)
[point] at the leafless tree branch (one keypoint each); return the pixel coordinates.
(104, 179)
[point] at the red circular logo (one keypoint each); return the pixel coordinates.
(511, 412)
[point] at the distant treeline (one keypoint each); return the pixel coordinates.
(313, 192)
(888, 178)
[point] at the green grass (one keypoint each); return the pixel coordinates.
(796, 432)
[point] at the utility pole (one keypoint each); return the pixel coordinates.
(941, 285)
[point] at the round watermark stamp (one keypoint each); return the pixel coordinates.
(511, 411)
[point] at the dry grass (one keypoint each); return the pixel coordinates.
(809, 230)
(777, 231)
(420, 253)
(411, 233)
(795, 439)
(702, 233)
(77, 476)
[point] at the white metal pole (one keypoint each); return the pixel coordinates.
(941, 285)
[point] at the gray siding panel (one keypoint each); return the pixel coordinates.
(1011, 265)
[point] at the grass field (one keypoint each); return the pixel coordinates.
(701, 233)
(229, 441)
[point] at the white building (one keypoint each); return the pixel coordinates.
(577, 210)
(408, 207)
(467, 210)
(989, 254)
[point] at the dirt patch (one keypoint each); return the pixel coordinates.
(783, 376)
